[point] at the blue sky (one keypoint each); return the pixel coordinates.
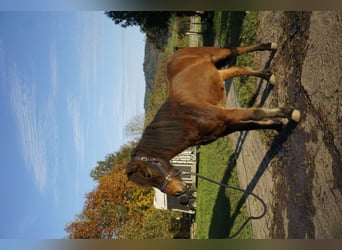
(69, 83)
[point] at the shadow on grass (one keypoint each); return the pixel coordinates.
(224, 216)
(222, 222)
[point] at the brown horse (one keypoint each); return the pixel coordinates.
(195, 114)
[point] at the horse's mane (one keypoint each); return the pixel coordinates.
(164, 136)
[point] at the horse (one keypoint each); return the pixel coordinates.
(195, 113)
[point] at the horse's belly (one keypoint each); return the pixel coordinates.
(198, 84)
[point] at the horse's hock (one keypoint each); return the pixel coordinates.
(302, 184)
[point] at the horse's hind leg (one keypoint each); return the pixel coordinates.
(236, 51)
(211, 54)
(215, 55)
(245, 71)
(260, 47)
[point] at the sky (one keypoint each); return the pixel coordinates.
(69, 83)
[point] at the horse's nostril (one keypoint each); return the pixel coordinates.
(183, 199)
(178, 193)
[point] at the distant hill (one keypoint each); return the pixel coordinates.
(150, 67)
(155, 77)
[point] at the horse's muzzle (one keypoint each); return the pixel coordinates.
(182, 189)
(185, 197)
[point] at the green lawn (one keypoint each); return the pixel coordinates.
(218, 214)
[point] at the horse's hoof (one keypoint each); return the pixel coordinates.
(295, 116)
(272, 79)
(274, 46)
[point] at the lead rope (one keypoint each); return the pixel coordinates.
(245, 192)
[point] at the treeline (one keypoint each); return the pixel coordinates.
(155, 24)
(156, 84)
(150, 67)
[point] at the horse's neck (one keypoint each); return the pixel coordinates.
(155, 142)
(164, 137)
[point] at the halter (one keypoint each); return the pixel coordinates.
(156, 162)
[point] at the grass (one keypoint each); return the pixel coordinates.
(246, 86)
(238, 29)
(218, 212)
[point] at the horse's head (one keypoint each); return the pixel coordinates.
(157, 173)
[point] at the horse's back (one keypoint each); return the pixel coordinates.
(193, 78)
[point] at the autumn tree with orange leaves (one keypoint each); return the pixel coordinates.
(119, 209)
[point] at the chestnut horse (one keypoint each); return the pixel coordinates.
(194, 113)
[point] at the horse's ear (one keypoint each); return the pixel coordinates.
(131, 168)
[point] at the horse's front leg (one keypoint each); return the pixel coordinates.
(256, 118)
(258, 114)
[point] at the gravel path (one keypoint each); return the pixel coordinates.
(299, 175)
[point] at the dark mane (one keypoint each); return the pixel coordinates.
(164, 137)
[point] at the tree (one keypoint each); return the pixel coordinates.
(100, 170)
(135, 126)
(155, 24)
(112, 205)
(121, 156)
(157, 225)
(119, 209)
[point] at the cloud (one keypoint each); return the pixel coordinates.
(36, 126)
(89, 44)
(30, 129)
(82, 106)
(78, 131)
(52, 124)
(77, 128)
(55, 190)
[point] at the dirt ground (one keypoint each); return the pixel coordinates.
(299, 174)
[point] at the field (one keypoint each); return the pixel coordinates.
(219, 213)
